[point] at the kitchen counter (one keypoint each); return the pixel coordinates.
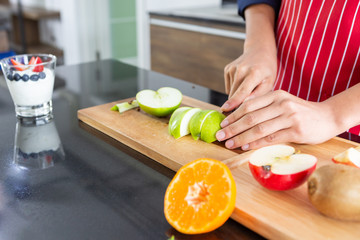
(92, 187)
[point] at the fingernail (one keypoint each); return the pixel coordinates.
(225, 106)
(220, 135)
(224, 123)
(229, 144)
(245, 147)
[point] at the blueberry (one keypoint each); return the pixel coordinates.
(34, 77)
(42, 75)
(24, 155)
(17, 77)
(25, 77)
(10, 77)
(34, 155)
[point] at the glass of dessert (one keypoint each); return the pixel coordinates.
(30, 79)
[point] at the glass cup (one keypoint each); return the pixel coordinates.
(37, 145)
(30, 79)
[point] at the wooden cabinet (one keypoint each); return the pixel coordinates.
(194, 50)
(25, 35)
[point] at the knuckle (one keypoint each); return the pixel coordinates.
(288, 105)
(240, 70)
(226, 68)
(255, 71)
(259, 129)
(232, 69)
(271, 138)
(299, 131)
(296, 118)
(246, 106)
(250, 119)
(231, 130)
(280, 93)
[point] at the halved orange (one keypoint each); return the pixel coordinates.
(201, 196)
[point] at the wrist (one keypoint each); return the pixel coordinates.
(345, 108)
(262, 38)
(338, 125)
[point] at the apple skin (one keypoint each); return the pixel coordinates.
(349, 163)
(348, 157)
(158, 112)
(279, 182)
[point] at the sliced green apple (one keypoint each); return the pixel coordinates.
(159, 103)
(197, 122)
(179, 121)
(122, 107)
(210, 126)
(173, 118)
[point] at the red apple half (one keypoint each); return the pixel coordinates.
(349, 157)
(279, 167)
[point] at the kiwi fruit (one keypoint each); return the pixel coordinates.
(334, 190)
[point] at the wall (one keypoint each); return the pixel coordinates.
(123, 28)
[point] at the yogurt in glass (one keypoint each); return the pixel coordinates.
(30, 79)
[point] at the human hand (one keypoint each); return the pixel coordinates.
(251, 75)
(278, 117)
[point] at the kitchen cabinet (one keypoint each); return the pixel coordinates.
(25, 33)
(196, 47)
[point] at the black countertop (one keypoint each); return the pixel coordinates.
(91, 187)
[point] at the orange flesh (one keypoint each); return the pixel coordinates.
(201, 197)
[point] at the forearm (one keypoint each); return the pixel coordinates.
(260, 27)
(345, 108)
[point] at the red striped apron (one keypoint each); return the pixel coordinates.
(318, 48)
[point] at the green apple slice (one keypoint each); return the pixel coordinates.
(174, 119)
(122, 107)
(210, 126)
(197, 121)
(179, 126)
(159, 103)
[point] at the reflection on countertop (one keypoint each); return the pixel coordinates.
(37, 145)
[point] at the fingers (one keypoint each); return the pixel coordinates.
(281, 136)
(264, 87)
(268, 132)
(258, 121)
(227, 78)
(243, 84)
(233, 76)
(249, 106)
(238, 77)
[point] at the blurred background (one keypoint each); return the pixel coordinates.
(190, 40)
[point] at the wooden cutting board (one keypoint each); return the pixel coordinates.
(275, 215)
